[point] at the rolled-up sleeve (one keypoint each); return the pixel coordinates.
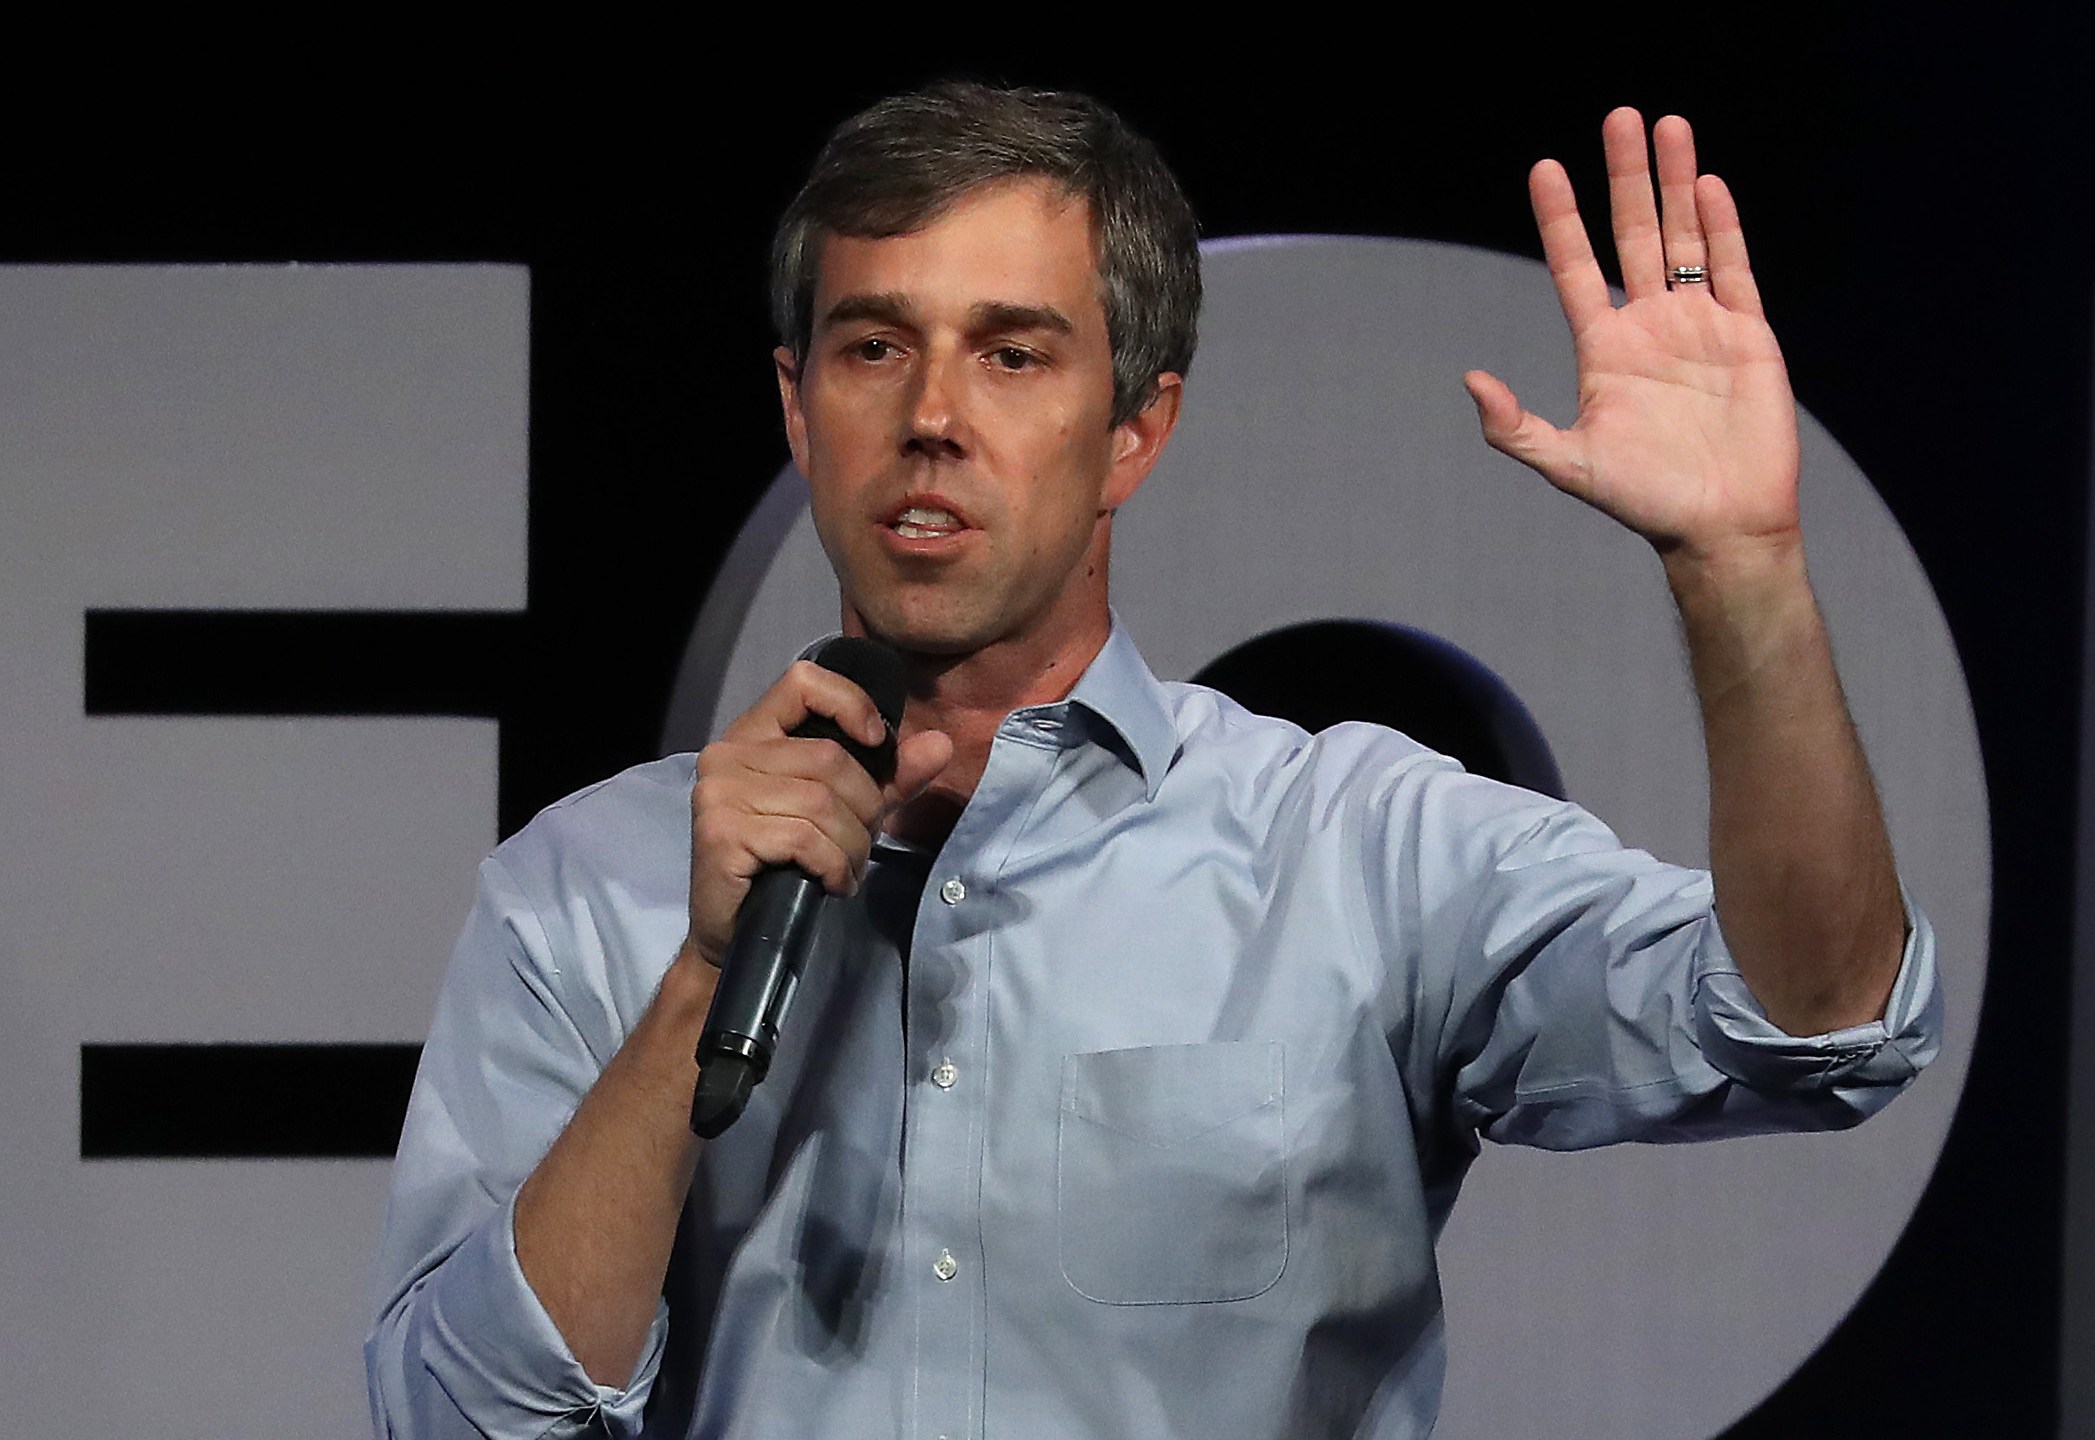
(1862, 1065)
(462, 1347)
(1585, 993)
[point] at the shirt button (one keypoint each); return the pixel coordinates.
(945, 1267)
(944, 1076)
(952, 892)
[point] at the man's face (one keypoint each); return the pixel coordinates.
(952, 417)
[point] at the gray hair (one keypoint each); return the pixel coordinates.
(897, 166)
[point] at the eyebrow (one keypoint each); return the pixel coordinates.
(884, 306)
(891, 308)
(1003, 315)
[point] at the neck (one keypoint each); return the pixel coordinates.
(968, 697)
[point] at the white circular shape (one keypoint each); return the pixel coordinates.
(944, 1076)
(953, 891)
(1328, 466)
(945, 1267)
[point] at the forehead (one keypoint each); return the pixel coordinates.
(1023, 241)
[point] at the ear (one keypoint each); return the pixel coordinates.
(789, 402)
(1139, 440)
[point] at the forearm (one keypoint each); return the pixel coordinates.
(596, 1219)
(1805, 884)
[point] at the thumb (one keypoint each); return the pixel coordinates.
(918, 759)
(1509, 429)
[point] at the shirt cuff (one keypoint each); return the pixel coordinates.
(1863, 1064)
(496, 1352)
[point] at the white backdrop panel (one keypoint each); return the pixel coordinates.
(227, 437)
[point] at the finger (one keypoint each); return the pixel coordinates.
(918, 761)
(1634, 213)
(731, 772)
(1581, 289)
(730, 849)
(797, 841)
(809, 802)
(808, 689)
(818, 799)
(1498, 408)
(1510, 430)
(1674, 142)
(1731, 275)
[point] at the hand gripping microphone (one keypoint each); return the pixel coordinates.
(776, 925)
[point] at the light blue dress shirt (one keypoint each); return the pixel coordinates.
(1135, 1111)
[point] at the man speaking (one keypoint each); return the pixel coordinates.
(1144, 1042)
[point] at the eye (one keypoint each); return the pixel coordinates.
(1011, 357)
(871, 349)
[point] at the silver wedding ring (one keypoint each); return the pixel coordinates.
(1687, 275)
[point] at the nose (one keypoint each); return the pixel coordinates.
(933, 427)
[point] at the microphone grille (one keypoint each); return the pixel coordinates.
(873, 667)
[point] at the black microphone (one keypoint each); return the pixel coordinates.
(776, 924)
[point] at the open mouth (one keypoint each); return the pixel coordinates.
(926, 522)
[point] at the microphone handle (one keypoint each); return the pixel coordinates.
(774, 930)
(775, 927)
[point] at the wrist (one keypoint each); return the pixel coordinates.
(686, 992)
(1737, 564)
(1747, 612)
(1752, 588)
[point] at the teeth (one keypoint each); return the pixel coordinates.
(921, 522)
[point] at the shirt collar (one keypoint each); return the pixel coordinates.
(1119, 689)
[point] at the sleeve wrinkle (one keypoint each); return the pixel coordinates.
(1457, 983)
(531, 961)
(462, 1346)
(1596, 1001)
(1504, 963)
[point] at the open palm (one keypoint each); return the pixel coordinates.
(1686, 429)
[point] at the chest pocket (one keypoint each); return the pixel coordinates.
(1171, 1173)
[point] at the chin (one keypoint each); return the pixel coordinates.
(919, 639)
(933, 632)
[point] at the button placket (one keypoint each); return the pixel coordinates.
(947, 1364)
(947, 998)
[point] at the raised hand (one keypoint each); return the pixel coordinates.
(1687, 433)
(1686, 429)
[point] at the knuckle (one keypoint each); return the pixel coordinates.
(814, 851)
(809, 799)
(860, 805)
(811, 681)
(837, 763)
(710, 832)
(711, 802)
(834, 814)
(724, 757)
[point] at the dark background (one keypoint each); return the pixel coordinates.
(1916, 189)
